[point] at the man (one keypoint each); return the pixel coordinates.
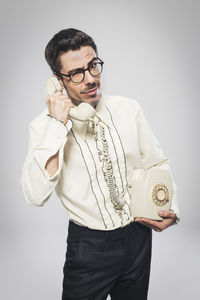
(90, 165)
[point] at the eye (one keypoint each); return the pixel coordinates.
(78, 72)
(94, 65)
(77, 76)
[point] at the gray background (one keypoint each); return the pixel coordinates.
(151, 53)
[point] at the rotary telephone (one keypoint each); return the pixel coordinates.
(151, 191)
(83, 112)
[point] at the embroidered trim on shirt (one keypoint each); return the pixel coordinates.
(117, 199)
(127, 186)
(89, 177)
(117, 160)
(120, 174)
(98, 182)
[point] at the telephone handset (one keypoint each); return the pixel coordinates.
(82, 112)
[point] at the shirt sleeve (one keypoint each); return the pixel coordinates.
(152, 155)
(47, 136)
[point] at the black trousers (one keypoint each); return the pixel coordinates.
(101, 263)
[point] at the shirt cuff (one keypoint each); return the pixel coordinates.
(177, 217)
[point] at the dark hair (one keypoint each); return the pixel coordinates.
(63, 41)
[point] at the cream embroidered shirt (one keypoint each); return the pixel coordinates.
(96, 163)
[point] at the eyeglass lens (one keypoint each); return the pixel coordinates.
(95, 69)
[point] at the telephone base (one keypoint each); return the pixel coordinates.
(151, 191)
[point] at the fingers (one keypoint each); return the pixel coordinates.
(148, 222)
(59, 98)
(59, 106)
(156, 225)
(150, 226)
(55, 95)
(166, 214)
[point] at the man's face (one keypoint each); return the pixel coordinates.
(89, 90)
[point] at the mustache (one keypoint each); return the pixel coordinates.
(90, 87)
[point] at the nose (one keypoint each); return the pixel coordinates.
(88, 78)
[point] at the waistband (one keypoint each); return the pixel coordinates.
(85, 232)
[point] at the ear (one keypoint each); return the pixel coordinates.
(61, 83)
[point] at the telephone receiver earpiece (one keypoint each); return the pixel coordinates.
(52, 86)
(83, 112)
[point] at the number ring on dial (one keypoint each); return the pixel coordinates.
(160, 194)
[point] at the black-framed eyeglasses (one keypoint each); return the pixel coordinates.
(77, 76)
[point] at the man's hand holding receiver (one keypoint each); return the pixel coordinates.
(59, 106)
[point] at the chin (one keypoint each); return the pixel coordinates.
(95, 100)
(92, 99)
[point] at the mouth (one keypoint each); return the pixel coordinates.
(91, 92)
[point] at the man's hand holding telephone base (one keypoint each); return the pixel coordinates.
(169, 218)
